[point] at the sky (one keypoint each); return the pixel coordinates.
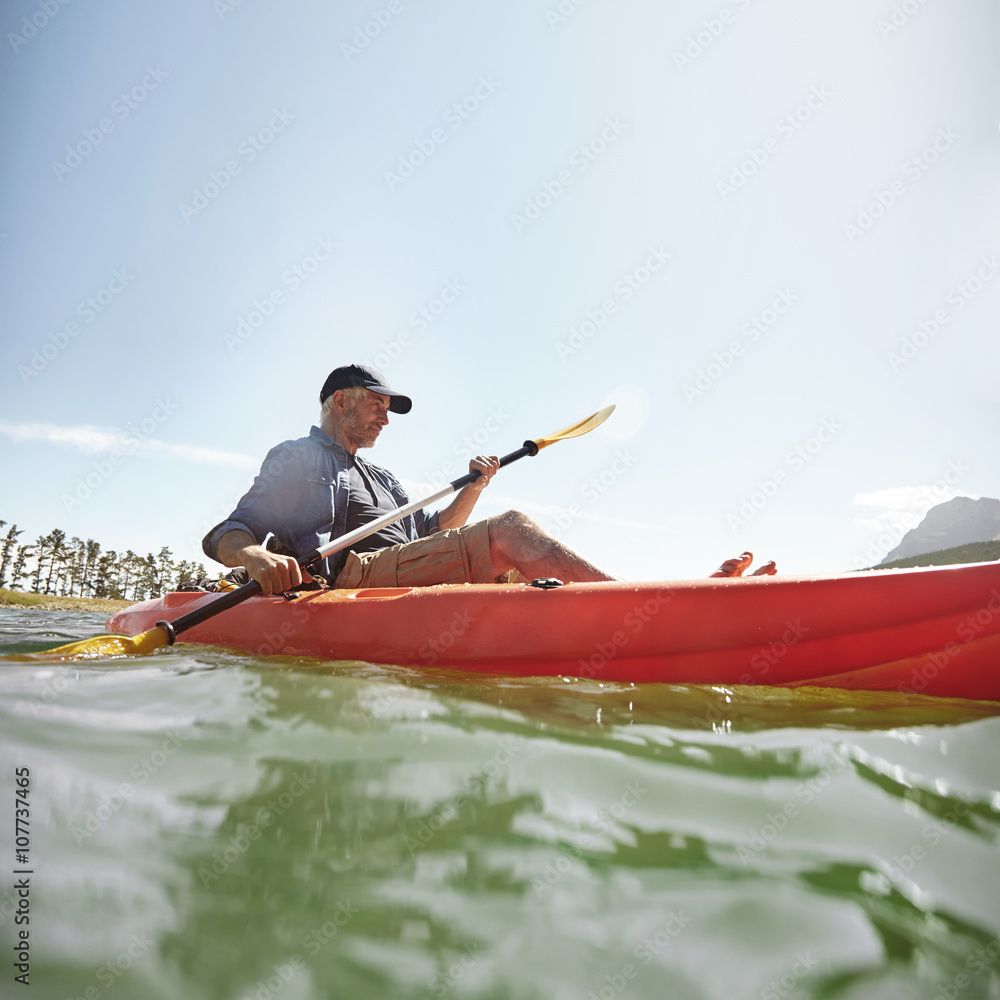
(767, 230)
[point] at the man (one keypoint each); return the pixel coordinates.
(317, 488)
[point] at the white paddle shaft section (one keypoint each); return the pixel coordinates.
(346, 541)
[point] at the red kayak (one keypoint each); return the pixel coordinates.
(929, 631)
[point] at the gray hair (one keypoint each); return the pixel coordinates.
(352, 392)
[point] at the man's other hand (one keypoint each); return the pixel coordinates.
(487, 466)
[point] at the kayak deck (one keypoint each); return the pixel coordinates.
(930, 631)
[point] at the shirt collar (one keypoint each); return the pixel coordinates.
(317, 435)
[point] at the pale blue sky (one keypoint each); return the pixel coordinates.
(632, 143)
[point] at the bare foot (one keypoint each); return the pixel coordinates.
(768, 569)
(734, 567)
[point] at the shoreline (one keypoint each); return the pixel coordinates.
(53, 602)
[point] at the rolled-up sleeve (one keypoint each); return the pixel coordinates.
(210, 543)
(268, 505)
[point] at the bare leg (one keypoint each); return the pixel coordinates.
(518, 542)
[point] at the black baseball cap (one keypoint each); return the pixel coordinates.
(363, 375)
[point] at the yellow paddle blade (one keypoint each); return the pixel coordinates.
(100, 646)
(580, 427)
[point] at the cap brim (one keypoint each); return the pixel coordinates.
(398, 403)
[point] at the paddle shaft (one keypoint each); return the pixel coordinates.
(251, 589)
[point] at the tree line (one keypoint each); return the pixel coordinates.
(969, 553)
(53, 564)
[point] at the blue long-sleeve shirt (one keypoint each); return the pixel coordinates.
(300, 496)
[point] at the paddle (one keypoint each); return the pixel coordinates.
(164, 633)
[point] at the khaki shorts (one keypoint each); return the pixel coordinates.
(455, 555)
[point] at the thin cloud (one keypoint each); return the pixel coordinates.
(907, 498)
(93, 440)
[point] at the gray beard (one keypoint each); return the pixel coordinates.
(356, 433)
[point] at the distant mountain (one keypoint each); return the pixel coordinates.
(948, 525)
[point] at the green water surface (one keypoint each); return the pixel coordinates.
(205, 824)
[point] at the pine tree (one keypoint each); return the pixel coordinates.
(93, 551)
(105, 581)
(57, 553)
(7, 550)
(183, 573)
(18, 573)
(73, 572)
(42, 544)
(126, 567)
(164, 572)
(145, 582)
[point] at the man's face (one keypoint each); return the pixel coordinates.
(365, 418)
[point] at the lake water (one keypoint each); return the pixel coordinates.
(205, 824)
